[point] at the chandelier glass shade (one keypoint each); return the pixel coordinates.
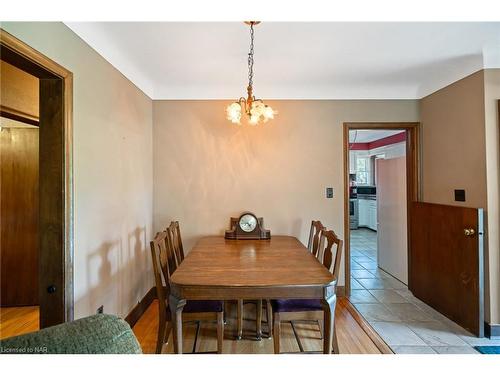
(255, 109)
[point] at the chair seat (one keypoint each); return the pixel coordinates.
(293, 305)
(203, 306)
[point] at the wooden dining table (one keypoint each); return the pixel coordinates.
(278, 268)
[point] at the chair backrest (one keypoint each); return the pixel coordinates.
(314, 237)
(330, 250)
(159, 256)
(176, 240)
(164, 264)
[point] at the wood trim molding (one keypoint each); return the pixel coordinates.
(23, 56)
(31, 54)
(135, 314)
(16, 115)
(413, 166)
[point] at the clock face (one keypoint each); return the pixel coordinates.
(248, 223)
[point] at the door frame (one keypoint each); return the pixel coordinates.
(413, 170)
(56, 211)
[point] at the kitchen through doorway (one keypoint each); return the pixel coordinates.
(377, 208)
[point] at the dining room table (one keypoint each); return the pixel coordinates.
(278, 268)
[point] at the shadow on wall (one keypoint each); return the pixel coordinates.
(118, 276)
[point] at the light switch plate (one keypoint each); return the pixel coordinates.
(329, 192)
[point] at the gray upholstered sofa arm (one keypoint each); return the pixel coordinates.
(96, 334)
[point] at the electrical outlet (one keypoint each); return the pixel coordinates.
(100, 310)
(460, 195)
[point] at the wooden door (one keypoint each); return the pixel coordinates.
(446, 261)
(19, 216)
(392, 217)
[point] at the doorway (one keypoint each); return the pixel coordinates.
(377, 222)
(47, 139)
(374, 154)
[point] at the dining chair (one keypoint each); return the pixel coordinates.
(164, 264)
(329, 253)
(177, 240)
(313, 245)
(314, 236)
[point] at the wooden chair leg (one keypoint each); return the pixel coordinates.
(240, 320)
(161, 335)
(269, 314)
(220, 331)
(276, 332)
(168, 331)
(335, 342)
(258, 320)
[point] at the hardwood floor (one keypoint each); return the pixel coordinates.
(18, 320)
(354, 337)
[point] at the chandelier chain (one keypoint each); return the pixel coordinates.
(250, 58)
(255, 109)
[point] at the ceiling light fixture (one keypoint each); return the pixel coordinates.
(255, 109)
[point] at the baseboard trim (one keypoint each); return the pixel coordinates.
(492, 330)
(340, 291)
(139, 309)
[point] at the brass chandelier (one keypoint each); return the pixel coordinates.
(254, 108)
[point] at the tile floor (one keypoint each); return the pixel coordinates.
(406, 324)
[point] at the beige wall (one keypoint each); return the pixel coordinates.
(207, 169)
(112, 173)
(453, 143)
(491, 98)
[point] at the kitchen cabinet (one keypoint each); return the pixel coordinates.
(372, 214)
(367, 213)
(363, 212)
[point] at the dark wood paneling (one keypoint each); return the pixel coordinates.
(19, 216)
(447, 271)
(52, 220)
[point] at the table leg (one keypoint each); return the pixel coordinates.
(240, 320)
(176, 305)
(258, 320)
(328, 303)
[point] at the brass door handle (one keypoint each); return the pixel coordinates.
(469, 232)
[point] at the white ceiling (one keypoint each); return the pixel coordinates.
(294, 60)
(365, 136)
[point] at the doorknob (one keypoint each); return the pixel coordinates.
(469, 232)
(51, 289)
